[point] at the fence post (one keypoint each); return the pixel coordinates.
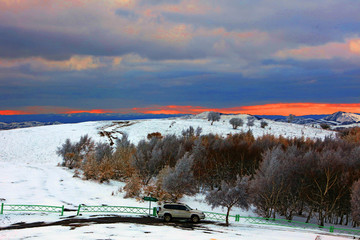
(62, 211)
(78, 211)
(2, 208)
(331, 229)
(237, 218)
(154, 211)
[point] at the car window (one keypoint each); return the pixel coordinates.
(181, 207)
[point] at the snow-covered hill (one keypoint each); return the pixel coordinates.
(343, 117)
(39, 144)
(29, 175)
(335, 120)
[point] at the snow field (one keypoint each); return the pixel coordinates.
(30, 175)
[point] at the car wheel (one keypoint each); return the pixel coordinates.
(167, 217)
(195, 218)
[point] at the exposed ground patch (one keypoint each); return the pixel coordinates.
(74, 222)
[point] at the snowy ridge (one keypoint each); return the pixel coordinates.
(343, 117)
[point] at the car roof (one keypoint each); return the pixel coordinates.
(174, 203)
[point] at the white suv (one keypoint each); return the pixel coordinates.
(169, 211)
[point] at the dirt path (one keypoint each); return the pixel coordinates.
(74, 222)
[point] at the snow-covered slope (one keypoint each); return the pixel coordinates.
(39, 144)
(343, 117)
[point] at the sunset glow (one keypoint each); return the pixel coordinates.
(284, 109)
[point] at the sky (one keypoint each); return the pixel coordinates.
(179, 56)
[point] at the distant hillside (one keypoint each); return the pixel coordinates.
(336, 119)
(13, 125)
(21, 121)
(343, 117)
(273, 117)
(80, 117)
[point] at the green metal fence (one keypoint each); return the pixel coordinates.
(115, 209)
(294, 224)
(216, 216)
(31, 208)
(279, 222)
(146, 211)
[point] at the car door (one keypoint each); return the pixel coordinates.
(183, 211)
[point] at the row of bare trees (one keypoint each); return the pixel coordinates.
(315, 182)
(317, 179)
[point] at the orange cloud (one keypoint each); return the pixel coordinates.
(330, 50)
(354, 46)
(75, 63)
(265, 109)
(172, 109)
(12, 112)
(180, 33)
(192, 7)
(90, 111)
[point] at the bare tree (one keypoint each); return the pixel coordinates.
(180, 180)
(74, 154)
(213, 117)
(147, 159)
(229, 195)
(102, 150)
(250, 121)
(355, 202)
(290, 118)
(236, 122)
(263, 124)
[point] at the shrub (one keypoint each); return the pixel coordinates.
(73, 154)
(290, 118)
(213, 117)
(250, 121)
(324, 126)
(263, 124)
(180, 180)
(133, 187)
(154, 134)
(236, 122)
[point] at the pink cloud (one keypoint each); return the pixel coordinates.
(75, 63)
(348, 49)
(180, 33)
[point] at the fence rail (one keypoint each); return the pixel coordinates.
(216, 216)
(296, 224)
(116, 209)
(31, 208)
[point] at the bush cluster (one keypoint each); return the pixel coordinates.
(318, 179)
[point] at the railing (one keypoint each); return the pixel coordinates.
(216, 216)
(116, 209)
(152, 212)
(31, 208)
(295, 224)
